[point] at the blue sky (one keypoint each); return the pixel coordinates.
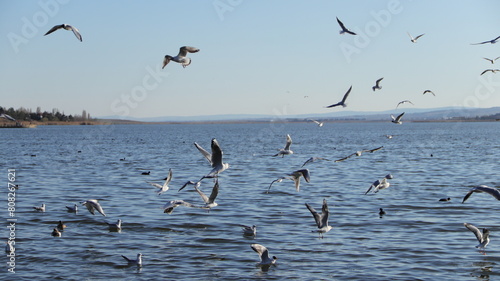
(256, 57)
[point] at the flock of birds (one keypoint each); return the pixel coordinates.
(215, 160)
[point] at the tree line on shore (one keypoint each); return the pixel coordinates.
(24, 114)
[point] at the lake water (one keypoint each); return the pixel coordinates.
(419, 238)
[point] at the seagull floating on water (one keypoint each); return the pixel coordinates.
(286, 150)
(181, 57)
(214, 158)
(493, 41)
(429, 91)
(295, 176)
(249, 230)
(313, 159)
(397, 120)
(482, 237)
(414, 40)
(344, 29)
(342, 102)
(492, 70)
(115, 227)
(358, 153)
(137, 261)
(321, 219)
(164, 187)
(66, 27)
(377, 85)
(263, 254)
(492, 60)
(483, 188)
(93, 205)
(40, 209)
(73, 209)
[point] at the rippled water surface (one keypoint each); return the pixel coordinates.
(419, 238)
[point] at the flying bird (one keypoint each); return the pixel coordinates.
(344, 29)
(377, 84)
(380, 184)
(358, 153)
(483, 188)
(137, 261)
(214, 158)
(171, 205)
(429, 91)
(209, 201)
(491, 60)
(320, 124)
(482, 237)
(342, 102)
(181, 57)
(295, 176)
(492, 70)
(403, 102)
(93, 205)
(313, 159)
(286, 150)
(263, 254)
(493, 41)
(321, 219)
(414, 40)
(164, 187)
(397, 120)
(66, 27)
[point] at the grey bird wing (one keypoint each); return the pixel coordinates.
(185, 49)
(288, 142)
(261, 250)
(205, 153)
(317, 217)
(215, 192)
(56, 27)
(476, 231)
(346, 95)
(216, 154)
(76, 32)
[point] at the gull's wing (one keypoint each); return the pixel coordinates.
(342, 159)
(372, 150)
(325, 213)
(197, 184)
(490, 60)
(166, 60)
(216, 154)
(419, 36)
(215, 192)
(374, 185)
(56, 27)
(261, 250)
(308, 161)
(155, 184)
(341, 25)
(346, 94)
(485, 71)
(185, 49)
(476, 231)
(276, 180)
(411, 37)
(202, 195)
(169, 177)
(205, 153)
(483, 188)
(333, 105)
(399, 117)
(95, 204)
(76, 32)
(127, 259)
(317, 217)
(288, 142)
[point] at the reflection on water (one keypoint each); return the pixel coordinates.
(418, 237)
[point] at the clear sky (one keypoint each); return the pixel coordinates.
(256, 57)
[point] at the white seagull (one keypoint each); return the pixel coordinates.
(93, 205)
(380, 184)
(263, 254)
(344, 29)
(321, 219)
(40, 209)
(249, 230)
(286, 150)
(483, 188)
(313, 159)
(181, 57)
(171, 205)
(491, 60)
(377, 84)
(209, 201)
(164, 187)
(342, 102)
(9, 248)
(397, 120)
(73, 209)
(137, 261)
(482, 237)
(414, 40)
(429, 91)
(320, 124)
(493, 41)
(115, 227)
(66, 27)
(214, 158)
(358, 153)
(402, 102)
(295, 176)
(492, 70)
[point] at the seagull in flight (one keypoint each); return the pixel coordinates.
(482, 237)
(181, 57)
(171, 205)
(164, 187)
(492, 70)
(429, 91)
(493, 41)
(358, 153)
(483, 188)
(214, 158)
(402, 102)
(321, 219)
(491, 60)
(209, 201)
(380, 184)
(344, 29)
(66, 27)
(377, 84)
(320, 124)
(397, 120)
(313, 159)
(263, 254)
(342, 102)
(286, 150)
(93, 205)
(137, 261)
(414, 40)
(295, 176)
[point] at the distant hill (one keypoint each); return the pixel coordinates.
(414, 114)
